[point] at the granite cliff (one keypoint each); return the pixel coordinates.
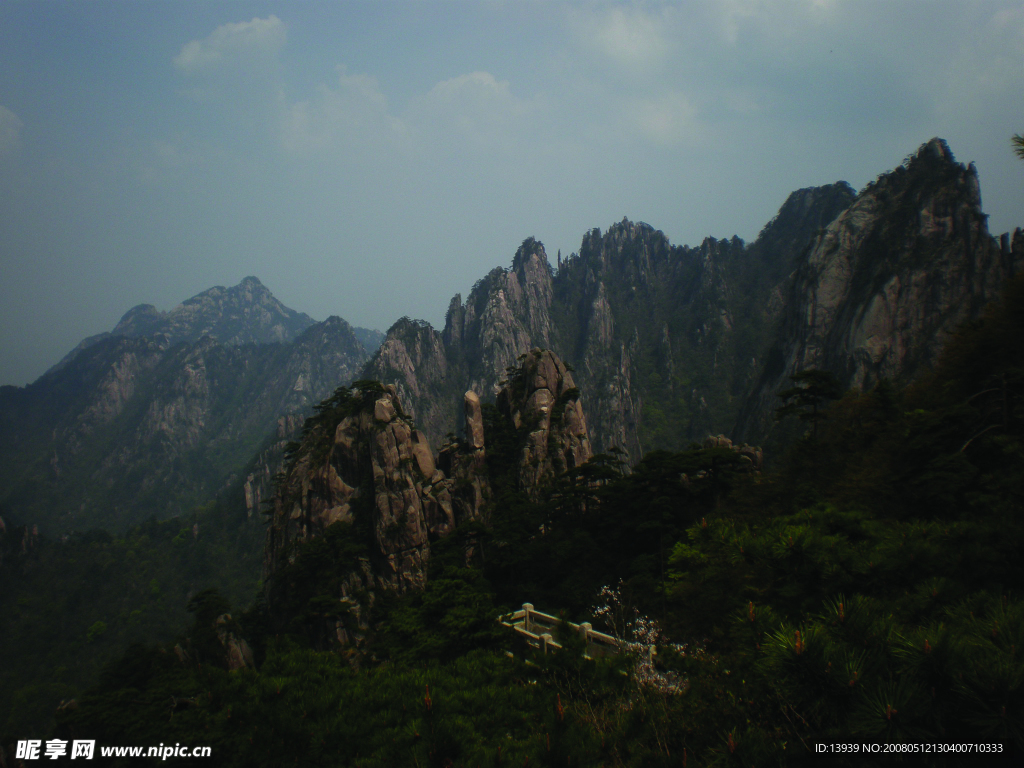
(881, 288)
(364, 471)
(663, 339)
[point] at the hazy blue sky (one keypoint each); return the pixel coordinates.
(372, 159)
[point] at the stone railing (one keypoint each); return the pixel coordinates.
(538, 630)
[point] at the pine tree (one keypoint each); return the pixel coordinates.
(813, 389)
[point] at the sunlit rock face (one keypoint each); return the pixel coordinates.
(378, 465)
(671, 343)
(663, 339)
(542, 402)
(883, 286)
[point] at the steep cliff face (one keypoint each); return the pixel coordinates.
(258, 487)
(413, 359)
(672, 343)
(364, 465)
(507, 314)
(880, 289)
(133, 427)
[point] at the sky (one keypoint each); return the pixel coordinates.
(372, 159)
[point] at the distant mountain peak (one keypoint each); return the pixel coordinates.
(246, 313)
(530, 248)
(937, 148)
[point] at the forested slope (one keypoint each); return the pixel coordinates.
(867, 590)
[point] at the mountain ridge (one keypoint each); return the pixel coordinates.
(246, 313)
(132, 424)
(672, 343)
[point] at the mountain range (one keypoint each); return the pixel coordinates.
(666, 343)
(566, 431)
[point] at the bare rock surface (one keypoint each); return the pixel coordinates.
(133, 427)
(542, 401)
(377, 464)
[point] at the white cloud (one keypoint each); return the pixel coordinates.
(475, 106)
(243, 44)
(10, 130)
(766, 19)
(628, 36)
(474, 110)
(666, 119)
(355, 110)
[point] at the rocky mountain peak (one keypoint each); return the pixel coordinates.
(252, 283)
(158, 427)
(880, 289)
(670, 340)
(531, 251)
(822, 204)
(140, 320)
(246, 313)
(936, 148)
(932, 171)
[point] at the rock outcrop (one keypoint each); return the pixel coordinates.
(258, 487)
(363, 463)
(751, 456)
(660, 341)
(373, 463)
(466, 463)
(671, 343)
(543, 404)
(237, 653)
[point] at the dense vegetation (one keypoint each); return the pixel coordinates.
(868, 590)
(69, 606)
